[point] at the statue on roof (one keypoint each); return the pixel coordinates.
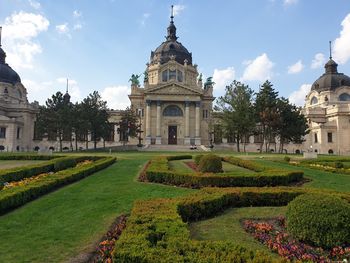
(209, 82)
(145, 78)
(135, 80)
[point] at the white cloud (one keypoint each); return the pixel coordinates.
(77, 26)
(77, 14)
(34, 4)
(259, 69)
(318, 61)
(19, 32)
(341, 47)
(222, 78)
(296, 68)
(178, 9)
(290, 2)
(39, 91)
(298, 97)
(116, 97)
(145, 17)
(63, 28)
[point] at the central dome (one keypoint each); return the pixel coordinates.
(171, 49)
(331, 79)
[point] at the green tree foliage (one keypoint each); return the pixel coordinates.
(291, 125)
(237, 111)
(128, 125)
(95, 116)
(266, 111)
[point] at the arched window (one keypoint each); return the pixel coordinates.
(330, 151)
(2, 147)
(344, 97)
(297, 151)
(314, 100)
(172, 111)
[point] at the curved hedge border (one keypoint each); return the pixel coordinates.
(158, 171)
(156, 230)
(326, 165)
(25, 156)
(53, 165)
(17, 196)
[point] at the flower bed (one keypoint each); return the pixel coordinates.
(158, 171)
(274, 235)
(157, 232)
(17, 196)
(53, 165)
(328, 165)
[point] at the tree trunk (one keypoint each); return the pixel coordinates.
(238, 150)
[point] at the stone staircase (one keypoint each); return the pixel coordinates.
(173, 148)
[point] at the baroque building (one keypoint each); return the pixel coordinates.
(173, 105)
(327, 108)
(17, 115)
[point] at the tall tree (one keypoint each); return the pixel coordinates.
(128, 125)
(237, 111)
(292, 126)
(94, 113)
(267, 114)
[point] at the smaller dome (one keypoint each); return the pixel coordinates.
(331, 79)
(7, 74)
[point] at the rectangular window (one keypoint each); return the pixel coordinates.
(330, 137)
(18, 132)
(2, 132)
(172, 74)
(165, 76)
(316, 139)
(205, 114)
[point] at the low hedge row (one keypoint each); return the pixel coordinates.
(54, 165)
(28, 157)
(327, 165)
(250, 165)
(158, 172)
(17, 196)
(156, 231)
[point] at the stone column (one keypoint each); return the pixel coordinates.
(187, 140)
(148, 122)
(159, 136)
(198, 123)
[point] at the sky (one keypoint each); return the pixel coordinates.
(98, 45)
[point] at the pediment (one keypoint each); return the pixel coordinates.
(173, 89)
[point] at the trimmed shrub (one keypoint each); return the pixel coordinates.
(210, 163)
(156, 231)
(318, 219)
(286, 159)
(198, 158)
(179, 157)
(338, 165)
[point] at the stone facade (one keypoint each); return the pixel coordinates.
(17, 116)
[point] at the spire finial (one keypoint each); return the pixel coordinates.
(0, 34)
(330, 49)
(172, 14)
(67, 86)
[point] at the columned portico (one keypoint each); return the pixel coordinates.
(158, 120)
(198, 123)
(148, 122)
(187, 140)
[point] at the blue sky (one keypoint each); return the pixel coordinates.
(99, 44)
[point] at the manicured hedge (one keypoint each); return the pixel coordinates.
(319, 219)
(54, 165)
(17, 196)
(156, 231)
(158, 171)
(333, 165)
(20, 156)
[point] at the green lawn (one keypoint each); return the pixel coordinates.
(7, 164)
(227, 226)
(319, 179)
(69, 221)
(180, 166)
(65, 223)
(230, 168)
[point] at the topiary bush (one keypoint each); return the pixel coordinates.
(210, 163)
(318, 219)
(286, 159)
(338, 165)
(197, 158)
